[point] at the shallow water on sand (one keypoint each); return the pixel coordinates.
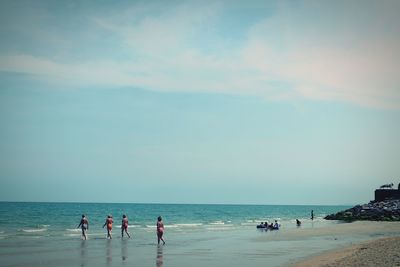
(240, 247)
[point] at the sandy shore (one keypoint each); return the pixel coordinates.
(378, 252)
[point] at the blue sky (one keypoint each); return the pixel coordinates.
(260, 102)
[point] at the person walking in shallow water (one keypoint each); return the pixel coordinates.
(160, 230)
(312, 215)
(84, 225)
(109, 223)
(124, 226)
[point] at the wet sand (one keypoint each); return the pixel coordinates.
(377, 252)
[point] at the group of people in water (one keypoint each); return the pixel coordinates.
(276, 225)
(266, 225)
(84, 225)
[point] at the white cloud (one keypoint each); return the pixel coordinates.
(283, 56)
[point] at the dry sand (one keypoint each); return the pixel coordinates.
(379, 252)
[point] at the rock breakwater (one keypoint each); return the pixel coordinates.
(388, 210)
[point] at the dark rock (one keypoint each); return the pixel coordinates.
(388, 210)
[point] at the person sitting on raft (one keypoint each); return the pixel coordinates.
(276, 225)
(261, 225)
(271, 226)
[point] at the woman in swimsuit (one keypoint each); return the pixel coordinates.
(109, 222)
(84, 225)
(124, 226)
(160, 230)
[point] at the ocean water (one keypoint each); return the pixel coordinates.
(60, 219)
(45, 234)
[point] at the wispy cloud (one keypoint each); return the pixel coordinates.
(330, 52)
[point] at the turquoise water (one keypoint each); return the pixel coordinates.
(61, 219)
(45, 234)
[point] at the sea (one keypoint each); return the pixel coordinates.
(46, 234)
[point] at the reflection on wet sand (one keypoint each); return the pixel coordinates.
(109, 252)
(83, 253)
(159, 258)
(124, 250)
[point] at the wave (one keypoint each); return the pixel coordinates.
(224, 228)
(74, 230)
(33, 230)
(189, 224)
(177, 225)
(71, 235)
(217, 223)
(3, 235)
(249, 224)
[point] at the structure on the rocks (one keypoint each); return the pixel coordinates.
(385, 194)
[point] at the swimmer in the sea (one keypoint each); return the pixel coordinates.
(84, 225)
(109, 223)
(160, 230)
(124, 226)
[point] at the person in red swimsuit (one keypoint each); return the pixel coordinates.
(124, 226)
(109, 223)
(84, 225)
(160, 230)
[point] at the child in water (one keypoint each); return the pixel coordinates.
(109, 222)
(160, 230)
(124, 226)
(84, 225)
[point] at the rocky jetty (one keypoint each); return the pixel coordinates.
(387, 210)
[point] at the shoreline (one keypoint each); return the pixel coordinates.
(382, 251)
(213, 240)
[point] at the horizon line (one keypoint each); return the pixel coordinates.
(158, 203)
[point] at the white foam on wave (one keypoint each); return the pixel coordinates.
(33, 230)
(217, 223)
(189, 224)
(224, 228)
(71, 235)
(178, 225)
(248, 224)
(74, 230)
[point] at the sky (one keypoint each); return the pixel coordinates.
(231, 102)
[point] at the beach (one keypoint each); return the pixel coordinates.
(195, 235)
(378, 252)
